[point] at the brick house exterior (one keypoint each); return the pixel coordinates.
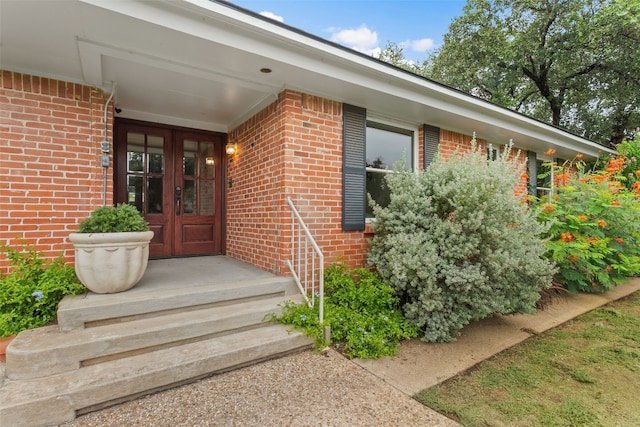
(299, 135)
(290, 141)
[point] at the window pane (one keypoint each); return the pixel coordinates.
(544, 174)
(155, 195)
(135, 152)
(206, 160)
(155, 148)
(189, 157)
(544, 178)
(386, 147)
(134, 191)
(378, 189)
(189, 198)
(206, 197)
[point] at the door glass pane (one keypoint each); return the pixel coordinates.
(145, 172)
(190, 148)
(135, 152)
(134, 191)
(207, 161)
(155, 148)
(189, 196)
(206, 197)
(155, 195)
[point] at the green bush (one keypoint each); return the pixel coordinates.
(594, 234)
(106, 219)
(361, 310)
(457, 245)
(630, 173)
(31, 291)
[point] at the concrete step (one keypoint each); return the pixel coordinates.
(89, 310)
(48, 351)
(58, 398)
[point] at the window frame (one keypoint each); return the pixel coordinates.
(493, 152)
(399, 127)
(545, 159)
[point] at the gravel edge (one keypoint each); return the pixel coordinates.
(303, 389)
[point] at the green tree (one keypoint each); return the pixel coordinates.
(393, 53)
(571, 63)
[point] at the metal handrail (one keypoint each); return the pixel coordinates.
(302, 274)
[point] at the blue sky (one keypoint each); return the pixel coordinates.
(367, 25)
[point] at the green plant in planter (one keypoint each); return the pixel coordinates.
(31, 290)
(121, 218)
(111, 249)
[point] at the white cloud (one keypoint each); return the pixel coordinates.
(272, 16)
(361, 39)
(366, 41)
(422, 45)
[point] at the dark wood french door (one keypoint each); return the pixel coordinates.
(174, 177)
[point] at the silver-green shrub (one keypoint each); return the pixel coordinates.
(458, 245)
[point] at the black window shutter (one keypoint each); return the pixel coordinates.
(533, 173)
(354, 197)
(431, 136)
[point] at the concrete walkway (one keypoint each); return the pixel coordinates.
(420, 365)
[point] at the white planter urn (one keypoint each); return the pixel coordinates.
(111, 262)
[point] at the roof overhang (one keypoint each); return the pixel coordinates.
(198, 63)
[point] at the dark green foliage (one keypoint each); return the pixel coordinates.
(361, 310)
(30, 293)
(572, 63)
(121, 218)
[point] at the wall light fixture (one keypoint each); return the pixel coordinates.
(231, 148)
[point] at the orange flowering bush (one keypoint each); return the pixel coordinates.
(594, 234)
(625, 168)
(629, 173)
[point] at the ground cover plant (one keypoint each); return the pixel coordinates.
(361, 310)
(583, 373)
(594, 218)
(31, 291)
(457, 244)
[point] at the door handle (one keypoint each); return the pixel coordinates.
(178, 193)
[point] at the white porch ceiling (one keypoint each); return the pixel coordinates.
(197, 63)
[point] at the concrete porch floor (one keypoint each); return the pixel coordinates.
(194, 271)
(175, 284)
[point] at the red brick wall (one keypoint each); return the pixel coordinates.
(294, 148)
(50, 170)
(255, 189)
(313, 174)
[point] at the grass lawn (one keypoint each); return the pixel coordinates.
(583, 373)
